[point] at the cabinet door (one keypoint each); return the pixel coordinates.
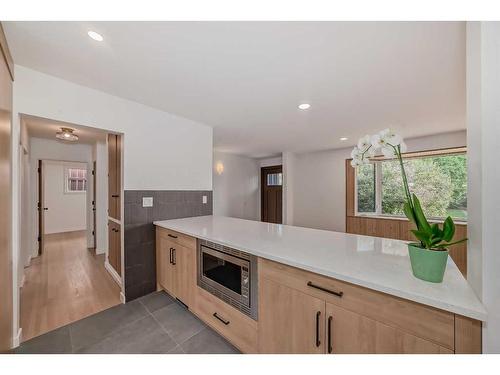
(349, 332)
(167, 269)
(289, 321)
(185, 273)
(114, 246)
(114, 176)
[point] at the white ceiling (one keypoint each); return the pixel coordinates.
(246, 78)
(42, 128)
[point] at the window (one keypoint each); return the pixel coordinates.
(275, 179)
(76, 180)
(438, 179)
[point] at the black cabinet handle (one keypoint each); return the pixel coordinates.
(115, 196)
(330, 347)
(226, 322)
(171, 255)
(318, 342)
(174, 256)
(46, 208)
(338, 294)
(171, 235)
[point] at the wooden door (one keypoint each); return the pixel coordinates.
(94, 202)
(41, 208)
(347, 332)
(166, 267)
(289, 321)
(112, 177)
(272, 194)
(6, 77)
(184, 273)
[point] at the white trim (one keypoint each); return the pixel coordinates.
(113, 273)
(16, 340)
(122, 297)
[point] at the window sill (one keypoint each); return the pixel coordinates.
(401, 218)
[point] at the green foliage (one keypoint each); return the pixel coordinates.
(366, 188)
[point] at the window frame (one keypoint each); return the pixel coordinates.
(377, 161)
(67, 190)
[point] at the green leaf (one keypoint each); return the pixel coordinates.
(448, 229)
(423, 236)
(436, 232)
(451, 243)
(421, 221)
(409, 212)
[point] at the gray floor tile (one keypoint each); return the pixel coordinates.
(208, 342)
(156, 300)
(54, 342)
(144, 336)
(176, 350)
(90, 330)
(179, 323)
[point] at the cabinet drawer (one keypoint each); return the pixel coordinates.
(422, 321)
(236, 327)
(181, 239)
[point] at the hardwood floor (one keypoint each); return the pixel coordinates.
(67, 283)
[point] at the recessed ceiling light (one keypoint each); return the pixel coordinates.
(95, 36)
(304, 106)
(343, 139)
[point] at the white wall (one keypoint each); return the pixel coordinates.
(67, 211)
(161, 151)
(483, 125)
(318, 178)
(48, 149)
(236, 189)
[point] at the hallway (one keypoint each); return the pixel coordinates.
(67, 283)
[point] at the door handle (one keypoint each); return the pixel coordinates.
(115, 196)
(330, 347)
(45, 208)
(318, 342)
(171, 255)
(171, 235)
(226, 322)
(174, 257)
(338, 294)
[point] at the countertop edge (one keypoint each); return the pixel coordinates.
(482, 316)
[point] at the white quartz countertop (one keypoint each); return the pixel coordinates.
(377, 263)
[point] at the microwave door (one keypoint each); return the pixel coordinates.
(223, 271)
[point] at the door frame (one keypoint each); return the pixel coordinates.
(263, 172)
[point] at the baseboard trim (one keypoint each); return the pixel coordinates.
(16, 340)
(122, 297)
(113, 273)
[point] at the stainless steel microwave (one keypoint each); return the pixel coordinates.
(229, 274)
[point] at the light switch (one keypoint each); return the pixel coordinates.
(204, 199)
(147, 201)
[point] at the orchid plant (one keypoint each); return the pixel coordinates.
(431, 236)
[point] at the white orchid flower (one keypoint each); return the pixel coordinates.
(356, 153)
(378, 141)
(388, 151)
(356, 162)
(403, 147)
(364, 143)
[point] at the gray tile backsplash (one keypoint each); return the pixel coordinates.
(140, 254)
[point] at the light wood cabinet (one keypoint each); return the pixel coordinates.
(114, 246)
(176, 267)
(348, 332)
(289, 321)
(114, 176)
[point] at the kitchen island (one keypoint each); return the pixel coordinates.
(321, 291)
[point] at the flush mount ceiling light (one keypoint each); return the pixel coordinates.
(304, 106)
(66, 134)
(95, 36)
(343, 139)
